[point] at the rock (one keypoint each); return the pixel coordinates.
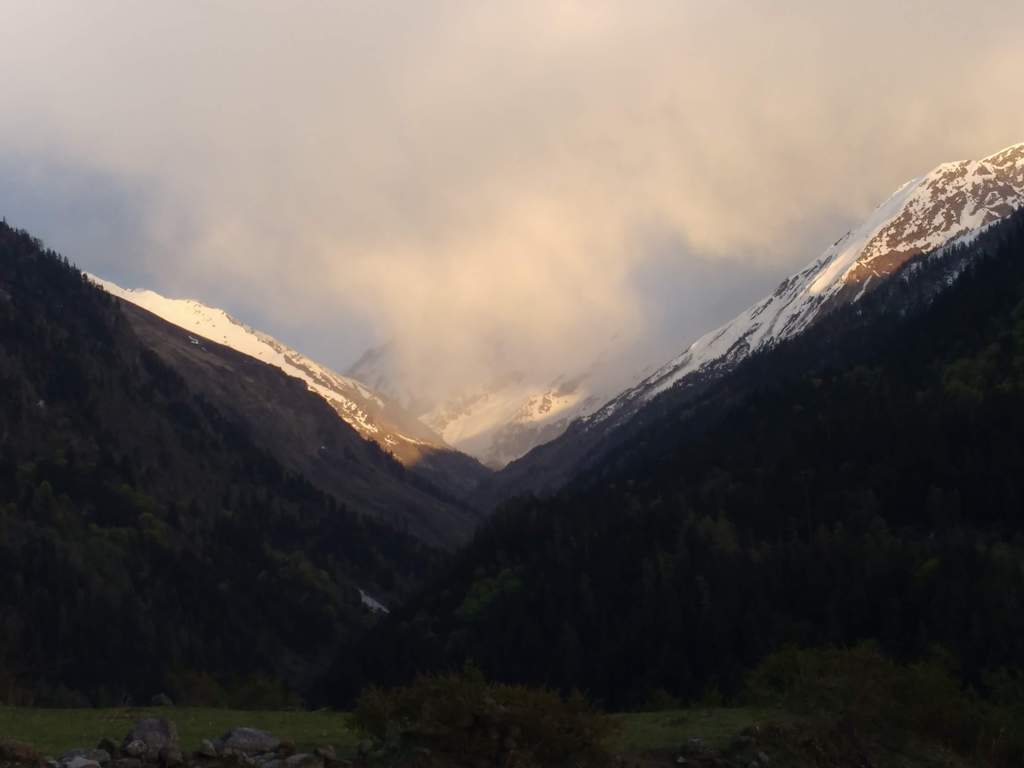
(136, 748)
(108, 746)
(304, 761)
(17, 752)
(206, 749)
(246, 741)
(161, 700)
(287, 748)
(171, 757)
(326, 752)
(149, 736)
(127, 762)
(79, 762)
(100, 756)
(763, 758)
(274, 763)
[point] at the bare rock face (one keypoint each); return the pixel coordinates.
(149, 737)
(953, 200)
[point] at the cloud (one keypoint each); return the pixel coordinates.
(492, 184)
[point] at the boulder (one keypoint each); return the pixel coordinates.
(108, 746)
(136, 748)
(99, 756)
(287, 748)
(206, 749)
(17, 752)
(161, 700)
(303, 760)
(148, 737)
(246, 741)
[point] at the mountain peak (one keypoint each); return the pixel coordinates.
(951, 204)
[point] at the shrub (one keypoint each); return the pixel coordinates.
(860, 689)
(462, 720)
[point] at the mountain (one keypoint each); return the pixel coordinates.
(179, 516)
(501, 419)
(859, 481)
(503, 422)
(951, 204)
(373, 416)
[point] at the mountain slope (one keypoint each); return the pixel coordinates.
(373, 416)
(304, 434)
(949, 205)
(859, 481)
(148, 538)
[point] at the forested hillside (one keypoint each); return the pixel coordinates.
(861, 481)
(147, 542)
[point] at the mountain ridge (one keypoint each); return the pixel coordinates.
(372, 415)
(951, 204)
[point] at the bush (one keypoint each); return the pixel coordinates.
(462, 720)
(860, 689)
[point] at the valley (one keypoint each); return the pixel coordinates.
(496, 385)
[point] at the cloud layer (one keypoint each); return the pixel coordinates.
(486, 184)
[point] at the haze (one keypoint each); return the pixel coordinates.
(490, 187)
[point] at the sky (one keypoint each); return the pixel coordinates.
(488, 186)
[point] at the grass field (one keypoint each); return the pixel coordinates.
(54, 730)
(642, 731)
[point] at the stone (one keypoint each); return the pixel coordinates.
(246, 741)
(135, 748)
(304, 760)
(206, 749)
(100, 756)
(79, 762)
(272, 763)
(149, 736)
(170, 757)
(763, 758)
(108, 746)
(287, 748)
(18, 751)
(127, 762)
(326, 752)
(161, 700)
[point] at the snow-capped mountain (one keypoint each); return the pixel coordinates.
(953, 203)
(500, 420)
(950, 205)
(500, 424)
(372, 415)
